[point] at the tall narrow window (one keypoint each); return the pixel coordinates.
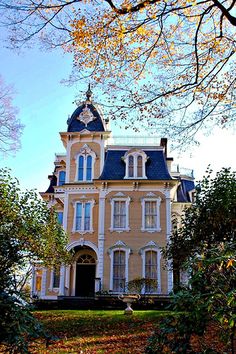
(56, 278)
(131, 166)
(150, 269)
(150, 215)
(62, 178)
(119, 271)
(119, 214)
(89, 168)
(81, 168)
(87, 211)
(78, 221)
(83, 217)
(139, 166)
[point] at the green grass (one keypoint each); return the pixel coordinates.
(93, 331)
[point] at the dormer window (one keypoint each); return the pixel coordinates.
(85, 162)
(135, 161)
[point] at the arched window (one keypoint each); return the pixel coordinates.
(131, 166)
(150, 270)
(85, 162)
(139, 166)
(89, 168)
(81, 168)
(151, 267)
(62, 178)
(135, 161)
(119, 271)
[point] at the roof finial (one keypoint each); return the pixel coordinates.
(89, 93)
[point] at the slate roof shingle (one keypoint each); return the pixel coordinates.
(114, 166)
(75, 125)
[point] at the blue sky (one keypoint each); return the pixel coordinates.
(44, 105)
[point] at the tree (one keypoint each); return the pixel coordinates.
(208, 304)
(209, 222)
(205, 245)
(29, 232)
(10, 126)
(170, 60)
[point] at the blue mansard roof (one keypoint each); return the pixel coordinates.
(114, 166)
(77, 122)
(183, 190)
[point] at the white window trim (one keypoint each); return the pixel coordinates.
(152, 246)
(58, 174)
(127, 203)
(82, 232)
(135, 155)
(85, 151)
(119, 246)
(158, 203)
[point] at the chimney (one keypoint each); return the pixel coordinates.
(164, 144)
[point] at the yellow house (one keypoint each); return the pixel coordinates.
(116, 203)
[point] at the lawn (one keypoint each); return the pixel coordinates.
(97, 331)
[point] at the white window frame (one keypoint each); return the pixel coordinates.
(135, 155)
(158, 204)
(119, 246)
(152, 246)
(127, 203)
(85, 151)
(83, 202)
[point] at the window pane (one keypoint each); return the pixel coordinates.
(89, 169)
(150, 268)
(81, 168)
(119, 217)
(150, 215)
(62, 178)
(119, 271)
(140, 166)
(60, 217)
(87, 216)
(78, 222)
(56, 278)
(131, 166)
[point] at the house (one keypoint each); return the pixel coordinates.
(116, 203)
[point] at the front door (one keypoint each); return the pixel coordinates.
(85, 279)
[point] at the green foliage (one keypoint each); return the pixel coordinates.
(141, 285)
(29, 232)
(210, 220)
(205, 245)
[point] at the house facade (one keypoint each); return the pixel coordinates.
(116, 203)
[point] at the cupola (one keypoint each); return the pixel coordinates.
(87, 116)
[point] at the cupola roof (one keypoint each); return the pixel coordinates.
(86, 116)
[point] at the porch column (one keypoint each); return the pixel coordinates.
(101, 235)
(168, 233)
(62, 281)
